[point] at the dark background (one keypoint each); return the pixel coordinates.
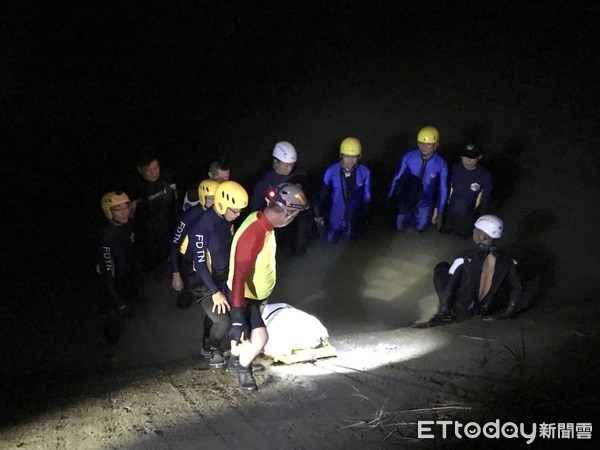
(86, 86)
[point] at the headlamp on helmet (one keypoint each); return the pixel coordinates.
(289, 196)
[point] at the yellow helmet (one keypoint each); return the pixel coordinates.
(207, 188)
(350, 146)
(428, 135)
(230, 194)
(111, 199)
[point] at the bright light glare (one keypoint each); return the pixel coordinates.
(352, 356)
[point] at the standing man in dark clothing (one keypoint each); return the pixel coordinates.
(154, 208)
(218, 170)
(116, 262)
(210, 241)
(285, 170)
(470, 193)
(480, 281)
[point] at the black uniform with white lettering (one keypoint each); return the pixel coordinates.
(116, 264)
(210, 242)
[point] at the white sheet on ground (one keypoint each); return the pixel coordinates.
(291, 329)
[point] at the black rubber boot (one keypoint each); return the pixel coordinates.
(216, 361)
(232, 364)
(245, 378)
(206, 348)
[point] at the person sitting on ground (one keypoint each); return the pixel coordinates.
(480, 281)
(470, 193)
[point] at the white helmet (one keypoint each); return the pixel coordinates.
(285, 152)
(491, 225)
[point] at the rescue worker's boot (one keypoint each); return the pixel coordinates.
(217, 360)
(233, 362)
(245, 378)
(206, 348)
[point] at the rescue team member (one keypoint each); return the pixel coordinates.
(474, 284)
(470, 193)
(218, 170)
(252, 276)
(181, 256)
(286, 170)
(116, 262)
(181, 259)
(419, 189)
(345, 193)
(153, 210)
(210, 241)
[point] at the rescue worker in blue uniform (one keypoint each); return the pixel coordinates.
(419, 190)
(210, 240)
(181, 258)
(345, 194)
(116, 263)
(480, 281)
(470, 193)
(285, 169)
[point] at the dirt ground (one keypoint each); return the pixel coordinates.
(87, 85)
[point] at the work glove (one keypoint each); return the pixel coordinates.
(239, 326)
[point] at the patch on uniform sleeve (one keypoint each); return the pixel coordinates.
(455, 265)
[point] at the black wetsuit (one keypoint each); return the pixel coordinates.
(154, 219)
(116, 264)
(458, 285)
(181, 257)
(210, 242)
